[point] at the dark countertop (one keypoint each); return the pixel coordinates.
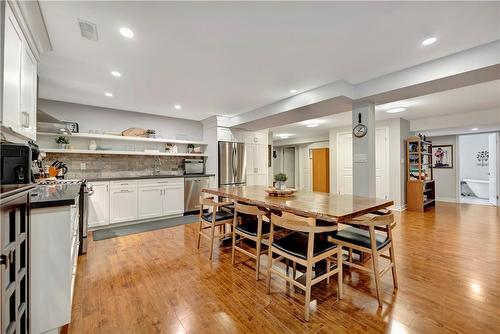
(8, 190)
(44, 196)
(146, 177)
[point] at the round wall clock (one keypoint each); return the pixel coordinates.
(360, 130)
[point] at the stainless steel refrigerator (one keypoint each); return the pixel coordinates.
(232, 164)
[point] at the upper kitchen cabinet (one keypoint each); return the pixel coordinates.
(24, 39)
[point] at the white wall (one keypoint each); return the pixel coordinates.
(398, 131)
(446, 178)
(113, 120)
(469, 146)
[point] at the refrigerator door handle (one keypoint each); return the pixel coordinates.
(234, 161)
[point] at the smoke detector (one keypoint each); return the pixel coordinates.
(88, 30)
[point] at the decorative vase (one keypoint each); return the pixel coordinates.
(92, 145)
(280, 185)
(63, 146)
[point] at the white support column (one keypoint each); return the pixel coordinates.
(363, 151)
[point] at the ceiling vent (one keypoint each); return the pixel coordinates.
(88, 30)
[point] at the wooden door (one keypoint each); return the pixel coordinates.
(321, 169)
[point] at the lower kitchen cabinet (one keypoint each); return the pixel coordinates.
(150, 201)
(130, 200)
(99, 204)
(173, 202)
(123, 204)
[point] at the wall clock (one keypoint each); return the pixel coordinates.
(359, 130)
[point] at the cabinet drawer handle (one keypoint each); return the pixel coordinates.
(125, 191)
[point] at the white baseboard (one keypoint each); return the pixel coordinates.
(398, 208)
(446, 199)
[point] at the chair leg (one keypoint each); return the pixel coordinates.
(269, 265)
(287, 262)
(294, 268)
(393, 261)
(308, 291)
(257, 260)
(199, 231)
(350, 255)
(234, 244)
(340, 276)
(328, 271)
(212, 234)
(377, 277)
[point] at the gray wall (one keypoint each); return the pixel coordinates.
(446, 178)
(113, 120)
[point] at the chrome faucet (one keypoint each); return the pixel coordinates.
(156, 166)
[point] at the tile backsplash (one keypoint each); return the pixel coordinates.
(104, 165)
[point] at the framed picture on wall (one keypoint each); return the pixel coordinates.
(442, 156)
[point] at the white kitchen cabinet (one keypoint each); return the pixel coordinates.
(20, 80)
(123, 204)
(257, 169)
(150, 201)
(99, 204)
(13, 58)
(174, 198)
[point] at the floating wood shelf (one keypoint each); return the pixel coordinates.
(56, 150)
(123, 138)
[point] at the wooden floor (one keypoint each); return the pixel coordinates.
(448, 263)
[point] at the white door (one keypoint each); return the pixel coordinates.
(99, 204)
(381, 162)
(12, 72)
(289, 165)
(173, 199)
(150, 201)
(123, 204)
(28, 93)
(492, 166)
(344, 153)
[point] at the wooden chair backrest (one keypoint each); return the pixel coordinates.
(374, 219)
(293, 222)
(248, 209)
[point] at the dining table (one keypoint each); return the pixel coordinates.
(325, 207)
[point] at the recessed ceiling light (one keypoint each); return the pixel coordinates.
(178, 107)
(126, 32)
(108, 94)
(116, 74)
(429, 41)
(283, 135)
(293, 91)
(312, 125)
(395, 110)
(474, 129)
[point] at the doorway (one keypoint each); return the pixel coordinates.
(321, 169)
(477, 159)
(344, 162)
(285, 163)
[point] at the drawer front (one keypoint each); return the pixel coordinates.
(155, 182)
(123, 184)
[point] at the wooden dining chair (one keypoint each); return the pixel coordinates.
(301, 246)
(249, 224)
(212, 219)
(361, 235)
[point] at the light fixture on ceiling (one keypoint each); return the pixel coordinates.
(429, 41)
(178, 107)
(108, 94)
(395, 110)
(293, 91)
(116, 74)
(126, 32)
(313, 125)
(474, 129)
(283, 135)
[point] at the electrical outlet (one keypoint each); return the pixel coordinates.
(83, 165)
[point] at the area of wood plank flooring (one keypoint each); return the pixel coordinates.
(158, 282)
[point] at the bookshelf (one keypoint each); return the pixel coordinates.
(420, 185)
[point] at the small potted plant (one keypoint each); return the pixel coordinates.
(151, 133)
(190, 148)
(63, 142)
(280, 179)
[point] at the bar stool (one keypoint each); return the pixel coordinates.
(301, 247)
(365, 239)
(214, 218)
(249, 224)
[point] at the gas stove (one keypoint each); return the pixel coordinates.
(48, 182)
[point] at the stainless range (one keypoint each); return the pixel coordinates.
(83, 204)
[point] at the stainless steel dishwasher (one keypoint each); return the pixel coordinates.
(192, 192)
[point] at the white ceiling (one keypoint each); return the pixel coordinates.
(232, 57)
(480, 97)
